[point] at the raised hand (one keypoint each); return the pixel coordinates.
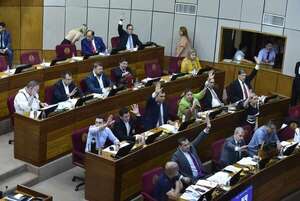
(211, 75)
(135, 110)
(110, 120)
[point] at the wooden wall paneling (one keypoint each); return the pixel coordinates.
(38, 3)
(7, 3)
(48, 55)
(284, 85)
(265, 82)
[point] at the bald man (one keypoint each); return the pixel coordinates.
(170, 183)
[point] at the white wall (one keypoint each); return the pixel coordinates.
(155, 20)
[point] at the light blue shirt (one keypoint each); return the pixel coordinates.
(100, 137)
(263, 56)
(129, 44)
(259, 137)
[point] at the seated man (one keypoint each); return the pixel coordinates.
(27, 99)
(156, 112)
(186, 155)
(189, 104)
(267, 55)
(99, 133)
(211, 98)
(92, 44)
(128, 40)
(239, 55)
(65, 88)
(123, 74)
(265, 134)
(234, 148)
(125, 127)
(169, 184)
(97, 81)
(5, 43)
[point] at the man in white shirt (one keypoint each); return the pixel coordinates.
(27, 99)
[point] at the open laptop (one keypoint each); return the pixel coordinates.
(83, 99)
(54, 61)
(151, 138)
(270, 98)
(185, 124)
(201, 71)
(150, 82)
(123, 151)
(113, 91)
(235, 178)
(289, 149)
(177, 75)
(47, 110)
(21, 67)
(213, 114)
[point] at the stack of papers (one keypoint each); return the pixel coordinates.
(232, 169)
(77, 58)
(194, 192)
(206, 183)
(221, 178)
(247, 161)
(169, 128)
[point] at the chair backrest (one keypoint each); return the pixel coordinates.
(248, 133)
(3, 63)
(30, 58)
(115, 41)
(113, 75)
(174, 64)
(79, 141)
(65, 51)
(153, 68)
(149, 178)
(83, 86)
(11, 107)
(286, 134)
(294, 112)
(172, 104)
(49, 94)
(216, 149)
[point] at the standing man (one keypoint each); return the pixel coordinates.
(296, 85)
(5, 43)
(128, 40)
(92, 44)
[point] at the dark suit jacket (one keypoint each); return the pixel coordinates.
(120, 130)
(118, 75)
(7, 40)
(124, 38)
(207, 100)
(93, 84)
(180, 159)
(229, 156)
(235, 89)
(59, 93)
(152, 113)
(86, 48)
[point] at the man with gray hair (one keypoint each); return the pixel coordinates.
(234, 147)
(27, 98)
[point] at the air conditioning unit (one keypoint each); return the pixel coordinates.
(185, 8)
(273, 20)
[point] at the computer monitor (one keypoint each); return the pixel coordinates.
(83, 99)
(21, 67)
(177, 75)
(185, 124)
(151, 138)
(289, 149)
(123, 151)
(150, 82)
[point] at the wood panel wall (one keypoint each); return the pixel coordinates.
(24, 20)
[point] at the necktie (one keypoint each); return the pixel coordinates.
(130, 42)
(160, 119)
(197, 165)
(245, 91)
(268, 55)
(92, 46)
(1, 40)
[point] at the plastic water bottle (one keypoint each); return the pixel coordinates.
(93, 146)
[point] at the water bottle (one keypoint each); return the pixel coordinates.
(93, 146)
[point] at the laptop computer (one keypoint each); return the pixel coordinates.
(113, 91)
(83, 99)
(123, 151)
(201, 71)
(290, 149)
(54, 61)
(177, 75)
(21, 67)
(185, 124)
(47, 110)
(213, 114)
(235, 178)
(151, 138)
(150, 82)
(270, 98)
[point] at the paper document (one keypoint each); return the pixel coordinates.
(247, 161)
(232, 169)
(221, 178)
(206, 183)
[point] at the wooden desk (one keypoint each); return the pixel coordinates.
(48, 76)
(121, 179)
(38, 142)
(27, 191)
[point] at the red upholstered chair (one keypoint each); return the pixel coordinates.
(172, 104)
(3, 63)
(113, 75)
(216, 150)
(30, 58)
(65, 51)
(83, 86)
(115, 41)
(248, 133)
(148, 181)
(79, 138)
(286, 134)
(174, 65)
(153, 69)
(11, 110)
(49, 94)
(294, 112)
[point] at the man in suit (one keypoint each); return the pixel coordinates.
(296, 86)
(211, 98)
(156, 112)
(240, 89)
(65, 88)
(123, 74)
(186, 155)
(128, 40)
(92, 44)
(234, 148)
(97, 81)
(5, 43)
(125, 127)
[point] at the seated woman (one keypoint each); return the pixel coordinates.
(189, 104)
(191, 64)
